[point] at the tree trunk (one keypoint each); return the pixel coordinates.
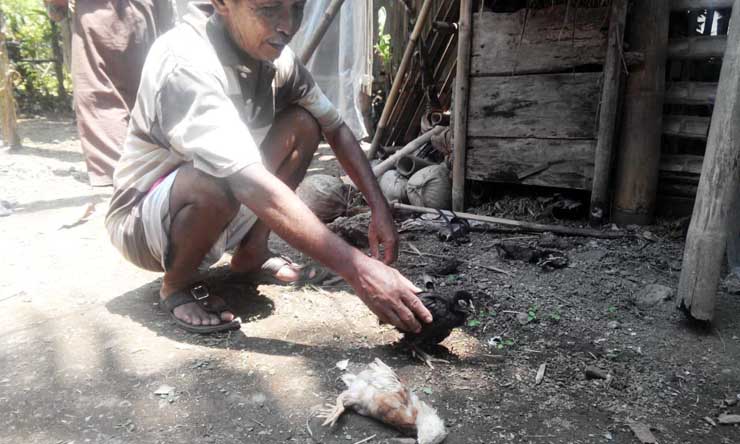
(8, 124)
(58, 59)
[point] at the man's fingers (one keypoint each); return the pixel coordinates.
(418, 309)
(407, 318)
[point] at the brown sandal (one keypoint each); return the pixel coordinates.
(199, 294)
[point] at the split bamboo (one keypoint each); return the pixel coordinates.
(526, 226)
(421, 20)
(718, 187)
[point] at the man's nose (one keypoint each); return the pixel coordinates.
(286, 24)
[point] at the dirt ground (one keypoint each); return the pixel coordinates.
(87, 356)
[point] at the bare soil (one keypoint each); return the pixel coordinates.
(86, 355)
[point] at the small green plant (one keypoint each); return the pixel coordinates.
(611, 309)
(481, 317)
(555, 316)
(383, 47)
(504, 342)
(532, 314)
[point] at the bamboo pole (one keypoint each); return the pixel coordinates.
(526, 226)
(462, 89)
(8, 123)
(718, 186)
(608, 111)
(313, 43)
(412, 146)
(639, 154)
(398, 80)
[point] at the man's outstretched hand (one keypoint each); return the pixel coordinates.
(390, 296)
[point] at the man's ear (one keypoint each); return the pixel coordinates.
(220, 7)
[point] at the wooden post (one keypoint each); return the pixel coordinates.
(462, 88)
(608, 110)
(8, 124)
(642, 117)
(718, 186)
(318, 34)
(421, 20)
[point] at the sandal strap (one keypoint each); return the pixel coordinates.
(273, 264)
(198, 293)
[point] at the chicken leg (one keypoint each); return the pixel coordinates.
(332, 413)
(425, 357)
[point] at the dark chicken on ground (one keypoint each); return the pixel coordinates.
(450, 310)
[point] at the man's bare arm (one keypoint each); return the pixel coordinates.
(383, 289)
(353, 160)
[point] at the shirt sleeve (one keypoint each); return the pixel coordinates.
(295, 83)
(202, 124)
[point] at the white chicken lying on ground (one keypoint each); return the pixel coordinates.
(378, 393)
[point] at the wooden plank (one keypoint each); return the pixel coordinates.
(557, 106)
(563, 163)
(688, 127)
(699, 47)
(554, 39)
(690, 93)
(681, 163)
(716, 198)
(685, 5)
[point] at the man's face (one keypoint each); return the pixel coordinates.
(261, 28)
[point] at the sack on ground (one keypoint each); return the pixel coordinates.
(430, 187)
(393, 186)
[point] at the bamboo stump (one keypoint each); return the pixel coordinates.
(718, 186)
(639, 156)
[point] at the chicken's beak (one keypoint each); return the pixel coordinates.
(471, 308)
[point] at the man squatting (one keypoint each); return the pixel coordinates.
(225, 124)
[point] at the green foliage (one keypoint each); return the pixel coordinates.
(383, 47)
(532, 314)
(504, 342)
(555, 316)
(481, 317)
(29, 32)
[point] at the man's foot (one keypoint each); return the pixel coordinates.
(197, 310)
(280, 270)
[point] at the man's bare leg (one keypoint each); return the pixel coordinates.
(286, 152)
(201, 207)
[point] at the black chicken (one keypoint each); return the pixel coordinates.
(449, 311)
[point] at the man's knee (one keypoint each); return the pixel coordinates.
(305, 127)
(205, 193)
